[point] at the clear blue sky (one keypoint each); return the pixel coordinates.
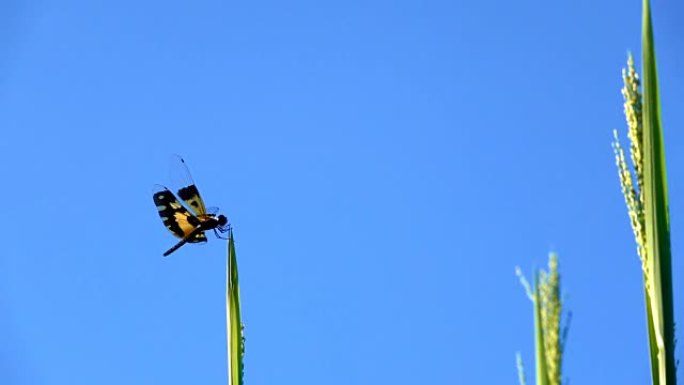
(385, 166)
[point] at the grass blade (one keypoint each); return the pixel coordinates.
(656, 215)
(645, 191)
(236, 342)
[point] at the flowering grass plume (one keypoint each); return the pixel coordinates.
(549, 336)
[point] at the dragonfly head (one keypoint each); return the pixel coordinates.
(222, 226)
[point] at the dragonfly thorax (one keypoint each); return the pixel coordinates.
(211, 221)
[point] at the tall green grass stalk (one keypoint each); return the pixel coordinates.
(236, 341)
(645, 191)
(549, 341)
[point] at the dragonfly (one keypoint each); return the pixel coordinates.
(190, 219)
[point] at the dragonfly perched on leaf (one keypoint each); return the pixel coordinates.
(190, 220)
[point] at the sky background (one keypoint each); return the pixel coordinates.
(385, 166)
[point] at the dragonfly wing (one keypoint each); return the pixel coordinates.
(175, 216)
(188, 190)
(199, 238)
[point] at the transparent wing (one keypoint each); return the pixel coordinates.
(187, 189)
(175, 216)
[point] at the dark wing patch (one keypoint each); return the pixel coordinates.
(191, 196)
(188, 191)
(176, 218)
(199, 238)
